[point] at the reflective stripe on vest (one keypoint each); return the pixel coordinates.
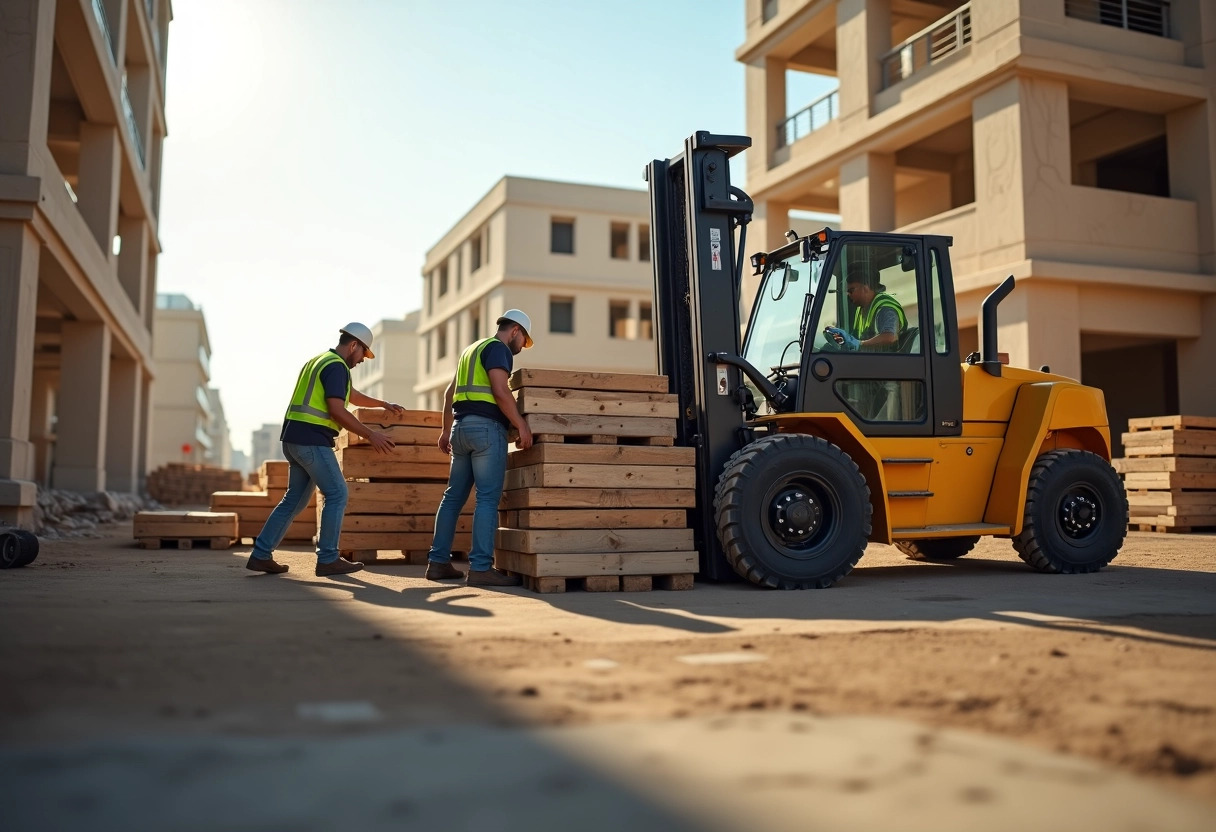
(862, 326)
(472, 379)
(308, 400)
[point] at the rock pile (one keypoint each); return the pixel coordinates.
(72, 514)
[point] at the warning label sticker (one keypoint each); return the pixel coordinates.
(715, 255)
(715, 234)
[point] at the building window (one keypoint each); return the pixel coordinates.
(443, 280)
(475, 253)
(561, 237)
(427, 285)
(768, 10)
(441, 333)
(618, 319)
(456, 268)
(475, 322)
(561, 315)
(426, 353)
(618, 245)
(485, 247)
(645, 321)
(644, 243)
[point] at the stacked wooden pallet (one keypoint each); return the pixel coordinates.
(600, 500)
(179, 483)
(1170, 472)
(392, 498)
(253, 507)
(185, 529)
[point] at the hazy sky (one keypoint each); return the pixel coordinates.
(318, 148)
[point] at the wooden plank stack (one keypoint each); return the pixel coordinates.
(600, 499)
(184, 529)
(1170, 472)
(180, 483)
(392, 498)
(253, 507)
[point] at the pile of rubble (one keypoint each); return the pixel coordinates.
(71, 514)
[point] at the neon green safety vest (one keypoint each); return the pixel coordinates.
(472, 380)
(863, 324)
(308, 400)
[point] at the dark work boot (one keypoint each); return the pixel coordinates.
(493, 577)
(442, 572)
(266, 565)
(338, 567)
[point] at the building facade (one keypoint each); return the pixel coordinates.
(575, 258)
(182, 413)
(265, 444)
(1069, 143)
(217, 430)
(82, 125)
(393, 373)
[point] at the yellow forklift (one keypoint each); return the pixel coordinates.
(822, 425)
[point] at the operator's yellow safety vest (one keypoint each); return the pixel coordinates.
(308, 400)
(863, 324)
(472, 380)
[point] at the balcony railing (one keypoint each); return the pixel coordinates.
(1149, 16)
(809, 119)
(132, 124)
(99, 12)
(927, 47)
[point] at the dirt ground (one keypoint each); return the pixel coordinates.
(103, 639)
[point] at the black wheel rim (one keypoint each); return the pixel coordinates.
(1079, 515)
(10, 549)
(801, 513)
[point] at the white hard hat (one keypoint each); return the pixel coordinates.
(363, 334)
(516, 316)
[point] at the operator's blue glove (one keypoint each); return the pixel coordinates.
(850, 343)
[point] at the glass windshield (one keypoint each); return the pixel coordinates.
(773, 340)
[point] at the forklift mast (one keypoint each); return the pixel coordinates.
(697, 280)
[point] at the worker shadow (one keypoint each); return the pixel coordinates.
(427, 598)
(639, 609)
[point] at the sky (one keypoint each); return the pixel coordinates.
(318, 148)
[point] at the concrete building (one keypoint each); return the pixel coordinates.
(182, 414)
(264, 444)
(217, 429)
(82, 125)
(575, 258)
(1066, 142)
(393, 373)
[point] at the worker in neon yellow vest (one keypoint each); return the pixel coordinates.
(318, 410)
(878, 319)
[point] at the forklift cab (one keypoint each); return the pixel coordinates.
(897, 372)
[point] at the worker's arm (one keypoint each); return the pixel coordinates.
(360, 400)
(506, 403)
(445, 435)
(339, 413)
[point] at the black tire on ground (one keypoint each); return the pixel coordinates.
(10, 549)
(938, 548)
(1076, 513)
(29, 547)
(793, 512)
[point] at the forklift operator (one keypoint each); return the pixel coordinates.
(878, 320)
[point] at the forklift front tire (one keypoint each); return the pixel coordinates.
(938, 548)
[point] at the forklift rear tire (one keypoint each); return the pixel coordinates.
(1076, 513)
(29, 546)
(938, 548)
(793, 512)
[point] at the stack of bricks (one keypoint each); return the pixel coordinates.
(182, 484)
(600, 500)
(253, 507)
(1170, 473)
(392, 498)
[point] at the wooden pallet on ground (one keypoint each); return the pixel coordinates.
(1170, 473)
(621, 572)
(154, 529)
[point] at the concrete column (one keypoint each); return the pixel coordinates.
(19, 255)
(863, 36)
(83, 407)
(27, 32)
(133, 260)
(1196, 393)
(123, 425)
(766, 108)
(1190, 134)
(100, 163)
(1038, 325)
(42, 407)
(867, 192)
(145, 431)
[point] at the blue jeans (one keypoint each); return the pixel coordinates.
(307, 465)
(479, 457)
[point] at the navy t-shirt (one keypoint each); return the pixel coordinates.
(334, 379)
(496, 356)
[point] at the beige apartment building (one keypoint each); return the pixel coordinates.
(82, 125)
(1069, 143)
(221, 451)
(575, 258)
(393, 373)
(265, 444)
(182, 413)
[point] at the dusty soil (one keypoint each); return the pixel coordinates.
(104, 639)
